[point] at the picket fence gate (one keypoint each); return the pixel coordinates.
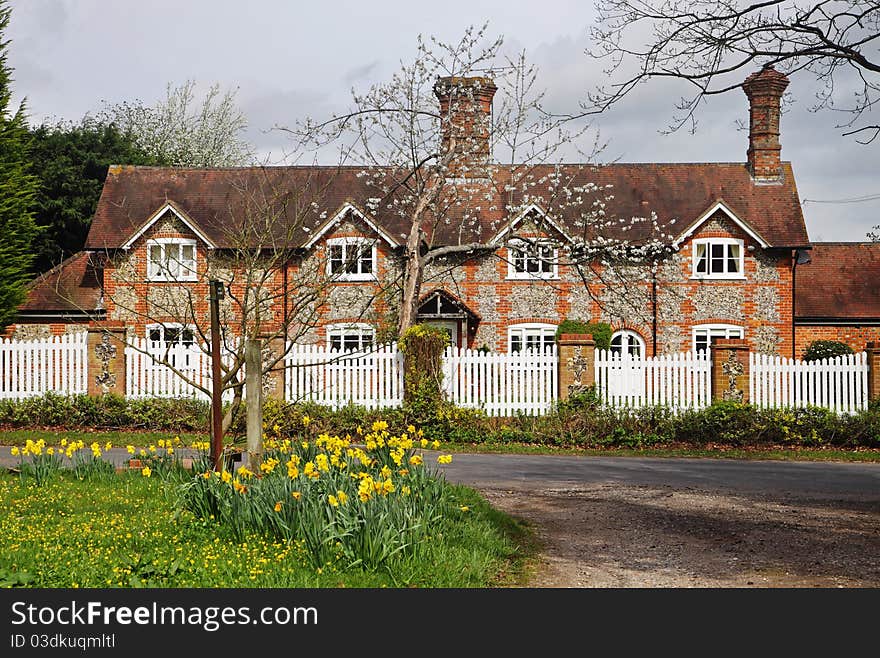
(839, 383)
(678, 381)
(372, 378)
(502, 384)
(36, 366)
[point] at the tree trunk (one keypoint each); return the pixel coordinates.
(237, 394)
(412, 279)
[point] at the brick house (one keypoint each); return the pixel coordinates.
(739, 265)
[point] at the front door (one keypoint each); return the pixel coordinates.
(450, 327)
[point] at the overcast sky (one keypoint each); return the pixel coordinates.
(290, 59)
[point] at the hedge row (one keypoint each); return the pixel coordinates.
(578, 423)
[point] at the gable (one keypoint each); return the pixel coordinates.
(719, 218)
(349, 220)
(168, 214)
(532, 222)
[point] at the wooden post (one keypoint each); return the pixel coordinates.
(216, 294)
(577, 359)
(106, 358)
(253, 364)
(730, 370)
(873, 352)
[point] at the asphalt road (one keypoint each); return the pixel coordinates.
(551, 471)
(510, 471)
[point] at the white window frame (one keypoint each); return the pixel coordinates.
(346, 243)
(522, 332)
(523, 245)
(715, 331)
(162, 349)
(361, 329)
(185, 272)
(628, 337)
(707, 243)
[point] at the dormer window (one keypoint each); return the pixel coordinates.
(718, 258)
(351, 259)
(532, 259)
(171, 259)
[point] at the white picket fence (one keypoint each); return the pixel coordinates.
(36, 366)
(839, 383)
(502, 384)
(678, 381)
(372, 378)
(148, 378)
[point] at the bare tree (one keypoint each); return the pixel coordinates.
(710, 43)
(273, 290)
(426, 141)
(182, 129)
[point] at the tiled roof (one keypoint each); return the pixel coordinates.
(217, 200)
(72, 286)
(841, 281)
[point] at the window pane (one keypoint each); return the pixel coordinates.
(702, 261)
(188, 259)
(617, 343)
(701, 341)
(717, 262)
(155, 335)
(154, 266)
(337, 258)
(335, 341)
(366, 263)
(516, 343)
(733, 258)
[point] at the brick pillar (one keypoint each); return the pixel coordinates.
(577, 358)
(873, 351)
(106, 358)
(273, 381)
(730, 370)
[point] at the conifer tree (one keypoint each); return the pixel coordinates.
(17, 191)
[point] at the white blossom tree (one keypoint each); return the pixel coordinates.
(426, 141)
(185, 130)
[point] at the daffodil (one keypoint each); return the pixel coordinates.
(146, 471)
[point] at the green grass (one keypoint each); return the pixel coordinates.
(126, 531)
(715, 452)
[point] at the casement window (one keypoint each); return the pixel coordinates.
(351, 259)
(704, 333)
(350, 337)
(627, 342)
(171, 259)
(531, 336)
(532, 259)
(718, 258)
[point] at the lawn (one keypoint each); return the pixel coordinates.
(168, 527)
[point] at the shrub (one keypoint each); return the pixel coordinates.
(826, 349)
(601, 331)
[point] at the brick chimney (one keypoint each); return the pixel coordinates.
(764, 90)
(466, 123)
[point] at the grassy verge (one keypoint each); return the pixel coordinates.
(718, 451)
(713, 452)
(126, 531)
